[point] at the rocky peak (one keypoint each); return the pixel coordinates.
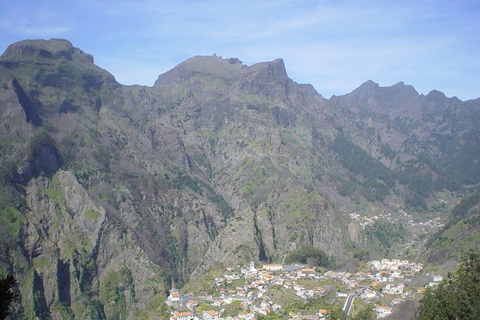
(210, 66)
(273, 71)
(217, 67)
(436, 95)
(46, 49)
(372, 90)
(367, 88)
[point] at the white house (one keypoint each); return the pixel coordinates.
(218, 302)
(247, 316)
(273, 267)
(369, 294)
(174, 296)
(276, 307)
(183, 316)
(211, 315)
(383, 311)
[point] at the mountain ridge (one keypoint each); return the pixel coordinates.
(218, 162)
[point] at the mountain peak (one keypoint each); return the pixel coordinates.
(213, 65)
(278, 65)
(218, 67)
(372, 89)
(46, 49)
(367, 88)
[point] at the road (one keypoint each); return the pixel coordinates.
(349, 302)
(351, 297)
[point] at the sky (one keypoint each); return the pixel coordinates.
(333, 45)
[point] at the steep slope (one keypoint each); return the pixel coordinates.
(99, 179)
(430, 142)
(71, 256)
(111, 195)
(460, 233)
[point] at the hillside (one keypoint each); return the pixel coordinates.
(111, 194)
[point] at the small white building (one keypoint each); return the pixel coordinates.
(368, 294)
(276, 307)
(383, 311)
(273, 267)
(183, 316)
(211, 315)
(174, 296)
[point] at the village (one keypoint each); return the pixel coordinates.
(251, 291)
(404, 217)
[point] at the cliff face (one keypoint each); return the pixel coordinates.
(74, 261)
(111, 195)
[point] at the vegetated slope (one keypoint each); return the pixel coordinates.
(460, 234)
(113, 194)
(430, 142)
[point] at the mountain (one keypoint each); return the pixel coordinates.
(460, 233)
(112, 194)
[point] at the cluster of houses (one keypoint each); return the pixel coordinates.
(251, 288)
(395, 264)
(362, 220)
(405, 218)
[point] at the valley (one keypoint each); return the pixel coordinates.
(112, 196)
(286, 291)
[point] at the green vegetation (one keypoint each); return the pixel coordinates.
(462, 166)
(378, 179)
(40, 140)
(116, 291)
(161, 159)
(7, 295)
(202, 188)
(360, 162)
(460, 211)
(367, 312)
(388, 234)
(92, 215)
(203, 284)
(465, 205)
(457, 296)
(62, 311)
(308, 254)
(11, 221)
(40, 262)
(233, 309)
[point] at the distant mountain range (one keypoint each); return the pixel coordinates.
(113, 194)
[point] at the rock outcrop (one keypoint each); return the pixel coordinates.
(112, 195)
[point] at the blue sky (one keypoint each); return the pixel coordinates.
(334, 45)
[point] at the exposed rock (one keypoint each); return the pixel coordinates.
(112, 194)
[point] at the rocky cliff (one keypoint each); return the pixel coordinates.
(111, 195)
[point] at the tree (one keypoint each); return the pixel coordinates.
(6, 295)
(366, 313)
(310, 255)
(457, 296)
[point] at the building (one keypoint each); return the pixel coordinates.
(247, 316)
(383, 311)
(369, 294)
(273, 267)
(211, 315)
(192, 303)
(183, 316)
(174, 296)
(322, 313)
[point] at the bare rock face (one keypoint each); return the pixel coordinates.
(112, 195)
(78, 255)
